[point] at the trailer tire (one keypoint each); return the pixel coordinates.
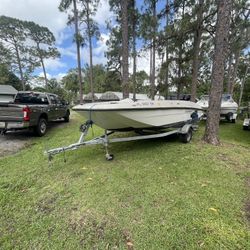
(245, 127)
(109, 157)
(66, 117)
(229, 117)
(186, 138)
(41, 127)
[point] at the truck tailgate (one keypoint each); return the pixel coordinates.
(11, 113)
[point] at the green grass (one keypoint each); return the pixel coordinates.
(155, 194)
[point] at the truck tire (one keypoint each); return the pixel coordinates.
(66, 117)
(41, 127)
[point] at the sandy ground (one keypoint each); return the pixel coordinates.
(14, 141)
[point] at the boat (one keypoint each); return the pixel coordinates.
(127, 114)
(228, 106)
(150, 119)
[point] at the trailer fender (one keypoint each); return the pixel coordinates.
(186, 128)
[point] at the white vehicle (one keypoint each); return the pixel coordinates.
(228, 106)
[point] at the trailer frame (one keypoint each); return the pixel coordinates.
(185, 132)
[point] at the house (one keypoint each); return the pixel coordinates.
(7, 93)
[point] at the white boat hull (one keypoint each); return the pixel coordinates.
(226, 108)
(138, 115)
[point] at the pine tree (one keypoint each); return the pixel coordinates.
(221, 42)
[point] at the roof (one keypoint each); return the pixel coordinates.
(7, 90)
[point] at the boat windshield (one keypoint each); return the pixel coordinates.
(226, 98)
(204, 98)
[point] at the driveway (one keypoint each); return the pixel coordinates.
(14, 141)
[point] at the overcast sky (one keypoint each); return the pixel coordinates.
(46, 13)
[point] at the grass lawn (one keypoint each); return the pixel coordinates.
(155, 194)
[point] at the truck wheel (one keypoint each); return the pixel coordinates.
(187, 137)
(66, 117)
(41, 127)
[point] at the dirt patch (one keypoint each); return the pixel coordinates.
(13, 142)
(247, 205)
(128, 239)
(92, 229)
(87, 223)
(47, 204)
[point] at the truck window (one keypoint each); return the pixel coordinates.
(31, 98)
(58, 100)
(52, 99)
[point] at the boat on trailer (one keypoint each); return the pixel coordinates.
(228, 109)
(150, 119)
(128, 115)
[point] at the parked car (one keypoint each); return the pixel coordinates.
(32, 110)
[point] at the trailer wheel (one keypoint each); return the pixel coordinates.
(186, 138)
(66, 117)
(109, 157)
(245, 127)
(41, 127)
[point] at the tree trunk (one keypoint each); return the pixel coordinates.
(78, 50)
(134, 52)
(197, 41)
(90, 55)
(229, 73)
(179, 85)
(124, 26)
(167, 52)
(235, 69)
(43, 66)
(150, 68)
(153, 50)
(242, 86)
(20, 66)
(221, 41)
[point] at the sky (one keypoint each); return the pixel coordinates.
(46, 13)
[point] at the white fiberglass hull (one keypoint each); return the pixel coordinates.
(225, 109)
(125, 115)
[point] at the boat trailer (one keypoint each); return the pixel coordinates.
(184, 131)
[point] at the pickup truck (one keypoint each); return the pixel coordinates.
(32, 110)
